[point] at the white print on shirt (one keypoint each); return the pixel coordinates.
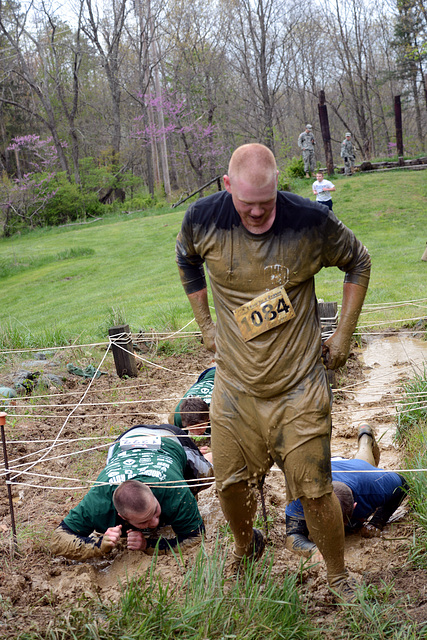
(119, 469)
(278, 274)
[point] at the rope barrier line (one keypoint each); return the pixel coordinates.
(53, 416)
(73, 393)
(153, 364)
(152, 485)
(379, 324)
(378, 306)
(379, 377)
(179, 484)
(68, 346)
(391, 305)
(103, 404)
(73, 453)
(72, 411)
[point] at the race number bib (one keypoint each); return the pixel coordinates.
(263, 313)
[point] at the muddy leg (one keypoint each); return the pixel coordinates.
(239, 503)
(325, 524)
(367, 449)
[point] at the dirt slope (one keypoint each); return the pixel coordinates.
(32, 581)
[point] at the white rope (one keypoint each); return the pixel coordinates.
(72, 411)
(100, 404)
(153, 364)
(153, 485)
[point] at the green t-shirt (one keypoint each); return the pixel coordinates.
(96, 511)
(202, 389)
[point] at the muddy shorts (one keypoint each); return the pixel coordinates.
(249, 434)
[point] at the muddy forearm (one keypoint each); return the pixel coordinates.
(65, 542)
(337, 347)
(200, 306)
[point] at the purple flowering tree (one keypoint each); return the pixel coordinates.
(191, 138)
(25, 196)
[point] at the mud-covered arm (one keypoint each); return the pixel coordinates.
(200, 306)
(192, 274)
(297, 537)
(382, 514)
(337, 348)
(67, 543)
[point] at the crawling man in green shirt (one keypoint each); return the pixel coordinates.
(143, 486)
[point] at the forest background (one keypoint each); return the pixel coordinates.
(141, 100)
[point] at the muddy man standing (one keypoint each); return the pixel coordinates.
(271, 400)
(306, 142)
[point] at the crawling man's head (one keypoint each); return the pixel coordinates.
(135, 503)
(194, 415)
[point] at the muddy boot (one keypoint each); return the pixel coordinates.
(366, 429)
(344, 589)
(239, 562)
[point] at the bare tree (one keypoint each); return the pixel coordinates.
(30, 66)
(106, 35)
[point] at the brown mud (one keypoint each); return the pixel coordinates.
(35, 587)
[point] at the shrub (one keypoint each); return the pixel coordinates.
(295, 168)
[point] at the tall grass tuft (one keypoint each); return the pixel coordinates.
(378, 615)
(16, 335)
(412, 428)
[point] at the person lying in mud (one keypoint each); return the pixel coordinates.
(192, 411)
(361, 495)
(143, 486)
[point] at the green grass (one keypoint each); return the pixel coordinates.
(412, 431)
(66, 282)
(387, 213)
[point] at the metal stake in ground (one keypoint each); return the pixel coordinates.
(9, 488)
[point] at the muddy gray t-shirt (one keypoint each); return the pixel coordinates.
(304, 237)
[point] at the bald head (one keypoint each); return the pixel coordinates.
(255, 163)
(252, 183)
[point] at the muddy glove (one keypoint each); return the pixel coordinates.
(297, 537)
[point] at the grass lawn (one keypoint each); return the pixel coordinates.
(73, 280)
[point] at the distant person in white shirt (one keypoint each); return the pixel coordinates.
(322, 189)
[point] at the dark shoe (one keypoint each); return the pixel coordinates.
(257, 549)
(344, 589)
(366, 429)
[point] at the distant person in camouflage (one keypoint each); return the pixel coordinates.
(347, 153)
(306, 142)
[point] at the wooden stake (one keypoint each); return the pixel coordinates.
(9, 488)
(124, 360)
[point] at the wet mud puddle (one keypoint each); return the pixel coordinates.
(388, 361)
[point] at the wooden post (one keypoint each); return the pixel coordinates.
(398, 124)
(324, 126)
(123, 359)
(6, 467)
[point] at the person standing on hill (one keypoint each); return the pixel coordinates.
(306, 142)
(347, 153)
(271, 400)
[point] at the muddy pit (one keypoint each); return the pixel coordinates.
(34, 584)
